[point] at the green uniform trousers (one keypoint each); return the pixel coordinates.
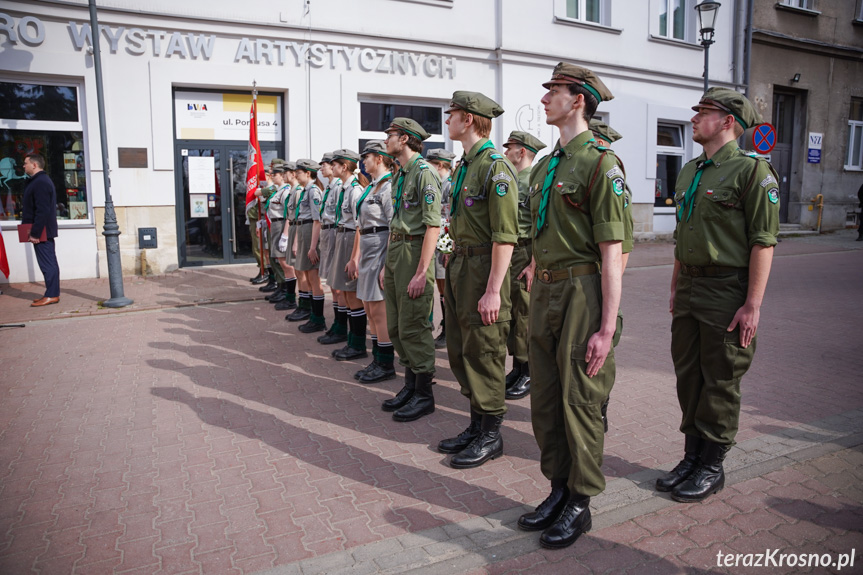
(516, 343)
(477, 352)
(564, 402)
(408, 319)
(256, 245)
(708, 359)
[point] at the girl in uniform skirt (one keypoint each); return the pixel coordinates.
(338, 332)
(307, 215)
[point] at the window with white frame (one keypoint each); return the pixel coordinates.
(858, 13)
(673, 18)
(854, 159)
(805, 4)
(670, 152)
(588, 11)
(376, 116)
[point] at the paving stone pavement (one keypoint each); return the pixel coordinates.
(198, 432)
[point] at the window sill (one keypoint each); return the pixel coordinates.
(439, 3)
(587, 25)
(857, 22)
(675, 42)
(795, 9)
(853, 168)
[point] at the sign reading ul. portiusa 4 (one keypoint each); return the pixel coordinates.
(30, 31)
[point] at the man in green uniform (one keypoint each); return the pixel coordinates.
(605, 135)
(408, 275)
(484, 228)
(521, 149)
(727, 223)
(577, 207)
(441, 159)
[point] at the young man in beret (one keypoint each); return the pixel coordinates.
(577, 207)
(441, 159)
(484, 229)
(727, 223)
(408, 276)
(521, 149)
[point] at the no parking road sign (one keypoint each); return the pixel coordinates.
(763, 138)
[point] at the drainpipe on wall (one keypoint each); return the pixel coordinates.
(498, 56)
(747, 62)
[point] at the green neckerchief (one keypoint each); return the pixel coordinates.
(342, 199)
(369, 189)
(270, 199)
(326, 195)
(459, 178)
(546, 187)
(688, 196)
(299, 200)
(400, 185)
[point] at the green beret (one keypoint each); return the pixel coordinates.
(474, 103)
(604, 131)
(571, 74)
(408, 126)
(327, 158)
(375, 147)
(731, 102)
(440, 155)
(524, 139)
(308, 165)
(348, 155)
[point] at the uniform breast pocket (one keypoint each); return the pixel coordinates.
(572, 192)
(718, 204)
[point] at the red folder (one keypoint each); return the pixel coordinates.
(24, 233)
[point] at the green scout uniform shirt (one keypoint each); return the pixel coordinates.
(486, 209)
(525, 223)
(419, 205)
(736, 206)
(571, 236)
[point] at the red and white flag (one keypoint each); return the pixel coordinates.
(255, 175)
(4, 261)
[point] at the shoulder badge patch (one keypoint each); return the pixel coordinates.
(773, 195)
(501, 176)
(613, 173)
(618, 185)
(768, 180)
(502, 189)
(317, 201)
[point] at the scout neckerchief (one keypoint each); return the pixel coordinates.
(369, 189)
(546, 187)
(342, 199)
(327, 194)
(299, 200)
(273, 195)
(459, 178)
(688, 196)
(400, 185)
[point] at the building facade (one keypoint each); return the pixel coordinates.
(330, 74)
(807, 80)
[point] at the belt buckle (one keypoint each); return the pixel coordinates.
(545, 276)
(695, 271)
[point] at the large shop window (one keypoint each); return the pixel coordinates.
(43, 119)
(375, 117)
(669, 160)
(855, 136)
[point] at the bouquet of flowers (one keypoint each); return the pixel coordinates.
(444, 241)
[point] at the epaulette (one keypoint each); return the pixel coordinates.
(496, 157)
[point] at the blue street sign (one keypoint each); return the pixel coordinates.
(763, 138)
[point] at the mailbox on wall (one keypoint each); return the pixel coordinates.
(147, 238)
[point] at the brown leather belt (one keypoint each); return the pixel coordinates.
(374, 230)
(394, 237)
(301, 222)
(551, 276)
(343, 229)
(708, 271)
(471, 250)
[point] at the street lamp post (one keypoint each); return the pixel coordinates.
(707, 11)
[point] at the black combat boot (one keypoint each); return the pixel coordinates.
(572, 522)
(271, 283)
(338, 333)
(487, 445)
(422, 402)
(707, 479)
(356, 349)
(404, 395)
(549, 510)
(280, 294)
(514, 373)
(381, 368)
(456, 444)
(691, 450)
(521, 387)
(259, 279)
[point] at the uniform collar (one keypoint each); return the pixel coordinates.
(406, 168)
(575, 144)
(724, 153)
(469, 157)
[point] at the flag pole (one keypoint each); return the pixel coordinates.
(258, 199)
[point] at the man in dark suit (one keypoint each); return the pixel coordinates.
(40, 209)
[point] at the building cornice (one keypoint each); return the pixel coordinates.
(818, 47)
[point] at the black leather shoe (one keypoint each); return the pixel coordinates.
(422, 402)
(521, 387)
(261, 279)
(285, 304)
(365, 369)
(312, 326)
(440, 340)
(513, 374)
(331, 338)
(270, 287)
(572, 522)
(547, 512)
(277, 296)
(348, 353)
(487, 445)
(405, 393)
(692, 448)
(707, 479)
(299, 315)
(463, 439)
(378, 372)
(603, 409)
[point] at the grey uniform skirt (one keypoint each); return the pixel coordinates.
(276, 229)
(304, 240)
(327, 243)
(373, 255)
(289, 255)
(337, 278)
